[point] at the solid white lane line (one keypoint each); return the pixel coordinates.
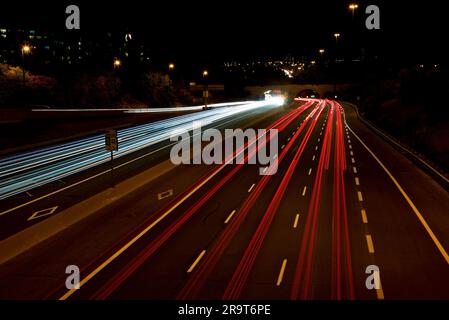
(409, 201)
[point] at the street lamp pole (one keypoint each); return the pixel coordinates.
(24, 49)
(117, 63)
(352, 7)
(171, 67)
(336, 35)
(206, 88)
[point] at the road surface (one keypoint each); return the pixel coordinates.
(343, 202)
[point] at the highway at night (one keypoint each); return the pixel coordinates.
(343, 202)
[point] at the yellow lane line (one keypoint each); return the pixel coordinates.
(369, 242)
(409, 201)
(281, 273)
(229, 217)
(197, 260)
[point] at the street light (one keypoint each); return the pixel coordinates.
(117, 63)
(352, 7)
(206, 89)
(336, 35)
(171, 67)
(25, 50)
(321, 51)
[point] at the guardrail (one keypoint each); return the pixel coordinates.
(441, 177)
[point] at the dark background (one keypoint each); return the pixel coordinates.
(208, 30)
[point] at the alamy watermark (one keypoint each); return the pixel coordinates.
(372, 21)
(237, 146)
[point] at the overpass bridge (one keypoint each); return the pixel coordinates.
(295, 89)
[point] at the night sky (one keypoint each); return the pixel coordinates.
(226, 29)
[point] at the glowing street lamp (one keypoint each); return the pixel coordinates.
(25, 50)
(117, 63)
(206, 88)
(171, 67)
(336, 35)
(321, 51)
(352, 7)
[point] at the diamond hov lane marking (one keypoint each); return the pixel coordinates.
(165, 194)
(43, 213)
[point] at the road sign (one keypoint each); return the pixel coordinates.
(111, 141)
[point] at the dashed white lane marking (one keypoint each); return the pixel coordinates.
(409, 201)
(295, 223)
(350, 147)
(313, 158)
(364, 217)
(251, 188)
(281, 273)
(351, 153)
(369, 242)
(304, 191)
(197, 260)
(354, 169)
(357, 181)
(310, 171)
(360, 196)
(230, 216)
(288, 139)
(352, 160)
(316, 148)
(283, 146)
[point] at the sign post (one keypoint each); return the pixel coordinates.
(111, 144)
(205, 96)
